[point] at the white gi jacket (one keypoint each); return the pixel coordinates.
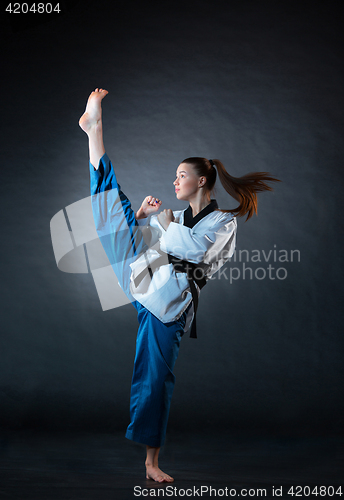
(209, 242)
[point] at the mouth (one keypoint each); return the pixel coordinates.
(176, 190)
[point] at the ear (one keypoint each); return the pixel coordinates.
(202, 181)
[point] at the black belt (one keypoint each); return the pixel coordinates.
(193, 273)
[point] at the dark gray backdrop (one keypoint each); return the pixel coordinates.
(256, 84)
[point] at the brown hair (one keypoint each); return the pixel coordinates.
(244, 189)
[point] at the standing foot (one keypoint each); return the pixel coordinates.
(93, 113)
(153, 472)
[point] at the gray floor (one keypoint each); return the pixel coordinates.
(83, 466)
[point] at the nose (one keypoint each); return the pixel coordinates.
(175, 182)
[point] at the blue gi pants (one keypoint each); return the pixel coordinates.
(157, 343)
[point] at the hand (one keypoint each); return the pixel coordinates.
(165, 217)
(149, 206)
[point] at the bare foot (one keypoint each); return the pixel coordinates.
(93, 113)
(157, 474)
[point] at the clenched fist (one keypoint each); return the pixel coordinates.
(165, 217)
(149, 206)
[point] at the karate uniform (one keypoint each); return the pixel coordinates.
(139, 254)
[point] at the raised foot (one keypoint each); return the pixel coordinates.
(157, 475)
(93, 113)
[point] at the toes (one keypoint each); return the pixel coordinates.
(160, 478)
(168, 479)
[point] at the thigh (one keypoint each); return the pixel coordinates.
(119, 233)
(160, 341)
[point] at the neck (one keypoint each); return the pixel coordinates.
(199, 202)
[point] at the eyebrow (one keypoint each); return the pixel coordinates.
(181, 172)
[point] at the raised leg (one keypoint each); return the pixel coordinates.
(91, 123)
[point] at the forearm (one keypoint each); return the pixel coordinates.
(164, 223)
(140, 214)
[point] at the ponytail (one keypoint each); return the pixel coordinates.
(243, 189)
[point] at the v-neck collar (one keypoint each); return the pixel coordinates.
(191, 221)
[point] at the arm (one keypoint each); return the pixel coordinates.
(149, 206)
(189, 245)
(165, 218)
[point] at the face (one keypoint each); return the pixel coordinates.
(187, 182)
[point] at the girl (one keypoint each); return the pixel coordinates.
(162, 267)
